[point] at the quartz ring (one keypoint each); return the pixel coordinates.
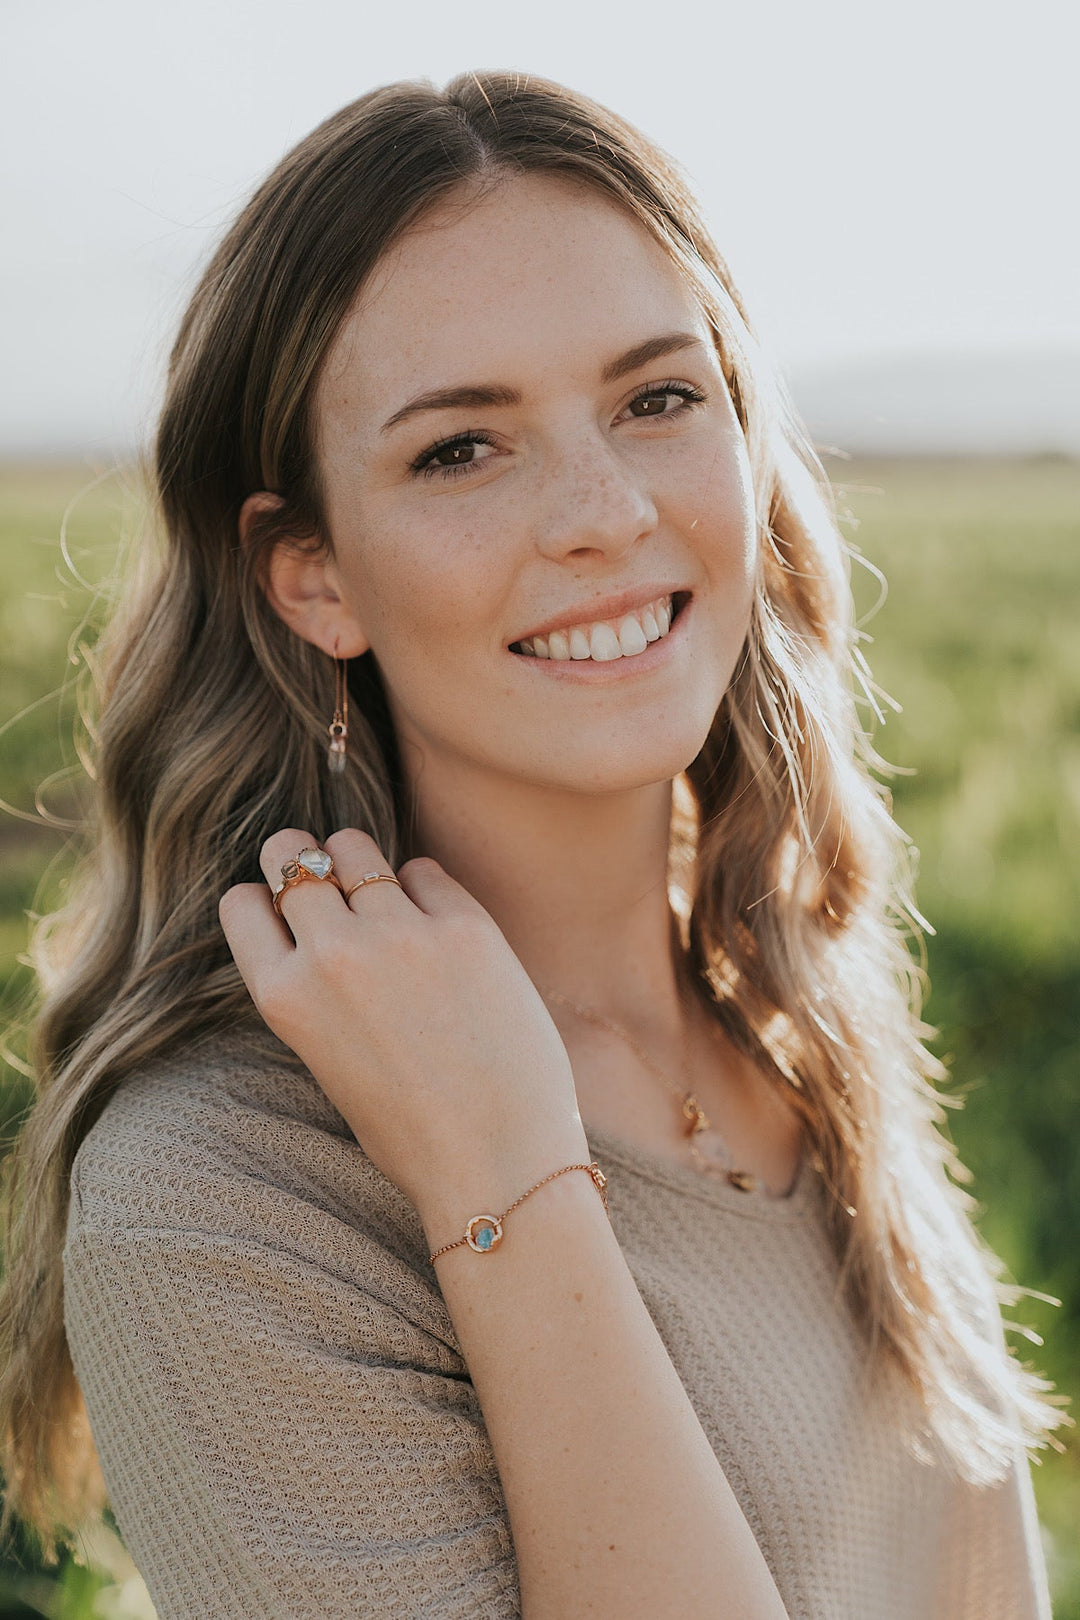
(371, 877)
(310, 865)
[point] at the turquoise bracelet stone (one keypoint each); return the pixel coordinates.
(483, 1233)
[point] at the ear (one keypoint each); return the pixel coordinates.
(304, 588)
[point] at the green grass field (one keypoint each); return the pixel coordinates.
(976, 640)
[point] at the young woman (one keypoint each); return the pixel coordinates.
(486, 1161)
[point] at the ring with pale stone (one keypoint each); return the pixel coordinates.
(310, 863)
(371, 877)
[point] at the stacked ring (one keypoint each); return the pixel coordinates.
(371, 877)
(309, 864)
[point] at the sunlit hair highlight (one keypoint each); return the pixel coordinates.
(792, 881)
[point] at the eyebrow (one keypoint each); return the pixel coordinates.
(478, 395)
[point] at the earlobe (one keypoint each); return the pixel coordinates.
(303, 587)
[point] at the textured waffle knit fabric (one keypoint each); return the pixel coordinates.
(288, 1430)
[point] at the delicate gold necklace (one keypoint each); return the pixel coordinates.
(692, 1111)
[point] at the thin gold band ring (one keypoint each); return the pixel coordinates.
(371, 877)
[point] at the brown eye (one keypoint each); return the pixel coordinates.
(452, 455)
(655, 400)
(651, 404)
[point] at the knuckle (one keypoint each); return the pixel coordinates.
(421, 865)
(346, 838)
(232, 902)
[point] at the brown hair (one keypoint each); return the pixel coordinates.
(795, 879)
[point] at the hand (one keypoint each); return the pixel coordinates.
(417, 1020)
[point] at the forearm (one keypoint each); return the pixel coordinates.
(617, 1503)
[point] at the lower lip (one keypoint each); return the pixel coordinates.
(588, 672)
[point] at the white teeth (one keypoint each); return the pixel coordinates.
(604, 644)
(607, 639)
(632, 637)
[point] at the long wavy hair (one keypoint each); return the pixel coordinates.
(791, 880)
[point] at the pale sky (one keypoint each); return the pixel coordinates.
(883, 179)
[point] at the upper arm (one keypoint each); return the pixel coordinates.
(996, 1569)
(278, 1441)
(994, 1566)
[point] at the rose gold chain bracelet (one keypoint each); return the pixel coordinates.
(484, 1232)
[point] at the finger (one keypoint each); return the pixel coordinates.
(251, 930)
(298, 899)
(430, 886)
(357, 856)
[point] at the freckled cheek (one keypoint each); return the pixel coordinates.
(422, 588)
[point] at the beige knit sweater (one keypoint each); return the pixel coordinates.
(288, 1430)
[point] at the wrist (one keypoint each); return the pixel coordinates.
(475, 1203)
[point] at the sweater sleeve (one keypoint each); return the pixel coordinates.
(998, 1571)
(996, 1568)
(277, 1440)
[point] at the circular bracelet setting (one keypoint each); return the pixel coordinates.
(485, 1232)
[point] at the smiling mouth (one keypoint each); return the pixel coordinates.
(605, 640)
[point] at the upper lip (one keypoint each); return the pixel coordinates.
(602, 607)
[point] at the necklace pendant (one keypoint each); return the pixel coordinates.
(709, 1164)
(693, 1111)
(743, 1180)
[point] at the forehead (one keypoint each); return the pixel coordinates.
(537, 276)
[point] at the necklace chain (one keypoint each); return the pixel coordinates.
(692, 1112)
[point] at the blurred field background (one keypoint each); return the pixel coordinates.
(977, 639)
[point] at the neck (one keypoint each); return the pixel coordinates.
(577, 883)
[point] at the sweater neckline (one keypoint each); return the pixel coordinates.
(654, 1167)
(714, 1190)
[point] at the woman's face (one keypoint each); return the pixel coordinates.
(523, 426)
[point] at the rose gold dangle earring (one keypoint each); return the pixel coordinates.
(339, 725)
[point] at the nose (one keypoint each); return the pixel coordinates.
(591, 501)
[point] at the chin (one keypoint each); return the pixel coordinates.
(625, 772)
